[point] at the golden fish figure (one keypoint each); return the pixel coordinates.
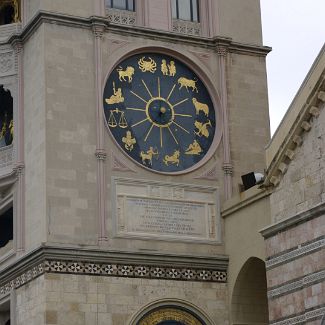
(173, 159)
(128, 72)
(202, 128)
(128, 141)
(187, 83)
(117, 96)
(147, 65)
(200, 107)
(193, 149)
(172, 68)
(147, 156)
(11, 127)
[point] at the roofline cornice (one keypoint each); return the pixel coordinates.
(46, 17)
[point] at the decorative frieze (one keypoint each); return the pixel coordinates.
(296, 285)
(116, 270)
(186, 27)
(121, 17)
(308, 316)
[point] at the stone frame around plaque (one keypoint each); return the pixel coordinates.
(155, 210)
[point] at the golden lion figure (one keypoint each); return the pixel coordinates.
(187, 83)
(128, 72)
(200, 107)
(174, 159)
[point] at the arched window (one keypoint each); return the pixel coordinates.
(9, 12)
(185, 10)
(6, 118)
(121, 4)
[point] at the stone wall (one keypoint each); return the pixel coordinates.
(82, 300)
(303, 185)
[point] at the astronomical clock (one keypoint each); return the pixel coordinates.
(159, 112)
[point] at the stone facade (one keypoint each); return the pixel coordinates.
(67, 264)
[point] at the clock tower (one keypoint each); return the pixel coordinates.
(132, 122)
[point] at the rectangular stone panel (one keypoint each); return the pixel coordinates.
(168, 211)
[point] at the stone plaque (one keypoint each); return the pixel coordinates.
(165, 211)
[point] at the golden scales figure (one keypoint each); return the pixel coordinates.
(122, 123)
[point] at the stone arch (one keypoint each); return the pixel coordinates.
(249, 300)
(155, 313)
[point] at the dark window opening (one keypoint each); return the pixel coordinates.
(186, 10)
(6, 227)
(9, 12)
(8, 322)
(121, 4)
(6, 118)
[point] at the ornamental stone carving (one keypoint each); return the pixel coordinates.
(7, 62)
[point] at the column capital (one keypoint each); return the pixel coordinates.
(17, 45)
(222, 50)
(227, 168)
(100, 154)
(98, 30)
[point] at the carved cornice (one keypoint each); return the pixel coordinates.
(112, 263)
(136, 31)
(304, 121)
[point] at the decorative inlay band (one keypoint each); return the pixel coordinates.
(117, 270)
(296, 253)
(296, 285)
(302, 319)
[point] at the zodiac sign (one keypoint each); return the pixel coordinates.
(187, 83)
(193, 149)
(129, 141)
(117, 96)
(200, 107)
(202, 128)
(128, 72)
(122, 123)
(168, 70)
(147, 66)
(148, 156)
(174, 159)
(172, 68)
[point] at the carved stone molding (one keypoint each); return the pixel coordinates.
(7, 63)
(210, 174)
(119, 164)
(6, 156)
(121, 17)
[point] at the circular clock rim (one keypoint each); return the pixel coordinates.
(189, 61)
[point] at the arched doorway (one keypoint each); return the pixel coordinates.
(249, 300)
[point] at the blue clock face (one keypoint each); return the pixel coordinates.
(159, 112)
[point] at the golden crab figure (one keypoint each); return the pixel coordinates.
(147, 65)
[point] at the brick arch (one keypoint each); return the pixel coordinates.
(249, 299)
